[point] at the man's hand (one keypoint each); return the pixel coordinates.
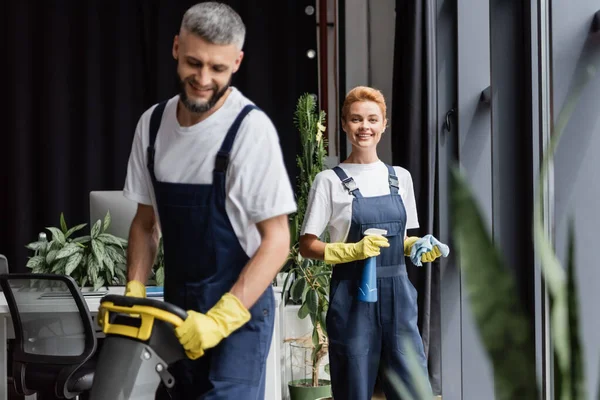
(135, 289)
(204, 331)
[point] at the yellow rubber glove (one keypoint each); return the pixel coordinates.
(430, 256)
(409, 243)
(204, 331)
(369, 246)
(135, 289)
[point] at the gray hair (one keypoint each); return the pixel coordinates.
(216, 23)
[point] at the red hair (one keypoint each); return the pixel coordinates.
(363, 93)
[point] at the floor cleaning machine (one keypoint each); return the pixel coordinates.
(139, 346)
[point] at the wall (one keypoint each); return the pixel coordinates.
(369, 55)
(575, 53)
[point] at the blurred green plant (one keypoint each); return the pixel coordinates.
(307, 281)
(505, 329)
(310, 124)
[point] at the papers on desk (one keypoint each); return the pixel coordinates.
(154, 291)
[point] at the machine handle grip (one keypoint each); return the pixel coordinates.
(129, 301)
(145, 310)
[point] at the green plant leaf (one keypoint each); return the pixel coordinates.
(110, 265)
(122, 278)
(93, 268)
(73, 262)
(312, 301)
(96, 229)
(323, 321)
(82, 239)
(99, 282)
(307, 288)
(36, 262)
(503, 326)
(160, 276)
(107, 221)
(51, 256)
(59, 266)
(303, 311)
(117, 254)
(68, 250)
(107, 238)
(57, 235)
(35, 246)
(74, 229)
(99, 251)
(577, 377)
(63, 223)
(298, 288)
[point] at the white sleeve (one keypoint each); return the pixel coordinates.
(410, 204)
(258, 184)
(137, 180)
(318, 209)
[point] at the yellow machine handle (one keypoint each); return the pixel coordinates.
(147, 314)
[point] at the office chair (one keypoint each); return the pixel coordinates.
(54, 335)
(3, 264)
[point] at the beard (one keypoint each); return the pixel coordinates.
(196, 106)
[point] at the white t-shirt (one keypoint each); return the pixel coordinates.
(257, 184)
(330, 205)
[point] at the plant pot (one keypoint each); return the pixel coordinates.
(302, 389)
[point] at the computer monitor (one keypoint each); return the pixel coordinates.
(3, 264)
(122, 210)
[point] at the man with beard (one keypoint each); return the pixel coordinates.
(206, 170)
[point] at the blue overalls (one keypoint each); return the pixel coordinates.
(363, 335)
(203, 259)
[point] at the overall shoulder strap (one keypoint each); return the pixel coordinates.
(155, 121)
(222, 160)
(348, 182)
(392, 179)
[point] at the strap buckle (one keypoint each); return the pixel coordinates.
(393, 179)
(350, 185)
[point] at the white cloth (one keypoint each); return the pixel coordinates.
(330, 205)
(258, 186)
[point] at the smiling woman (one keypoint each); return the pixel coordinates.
(360, 194)
(364, 120)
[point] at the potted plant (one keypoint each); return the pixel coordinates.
(311, 290)
(95, 260)
(307, 281)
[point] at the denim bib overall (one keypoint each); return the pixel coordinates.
(203, 259)
(364, 335)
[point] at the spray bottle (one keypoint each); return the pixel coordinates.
(367, 290)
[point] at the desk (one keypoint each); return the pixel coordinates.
(273, 380)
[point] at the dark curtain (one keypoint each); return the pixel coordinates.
(413, 147)
(78, 75)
